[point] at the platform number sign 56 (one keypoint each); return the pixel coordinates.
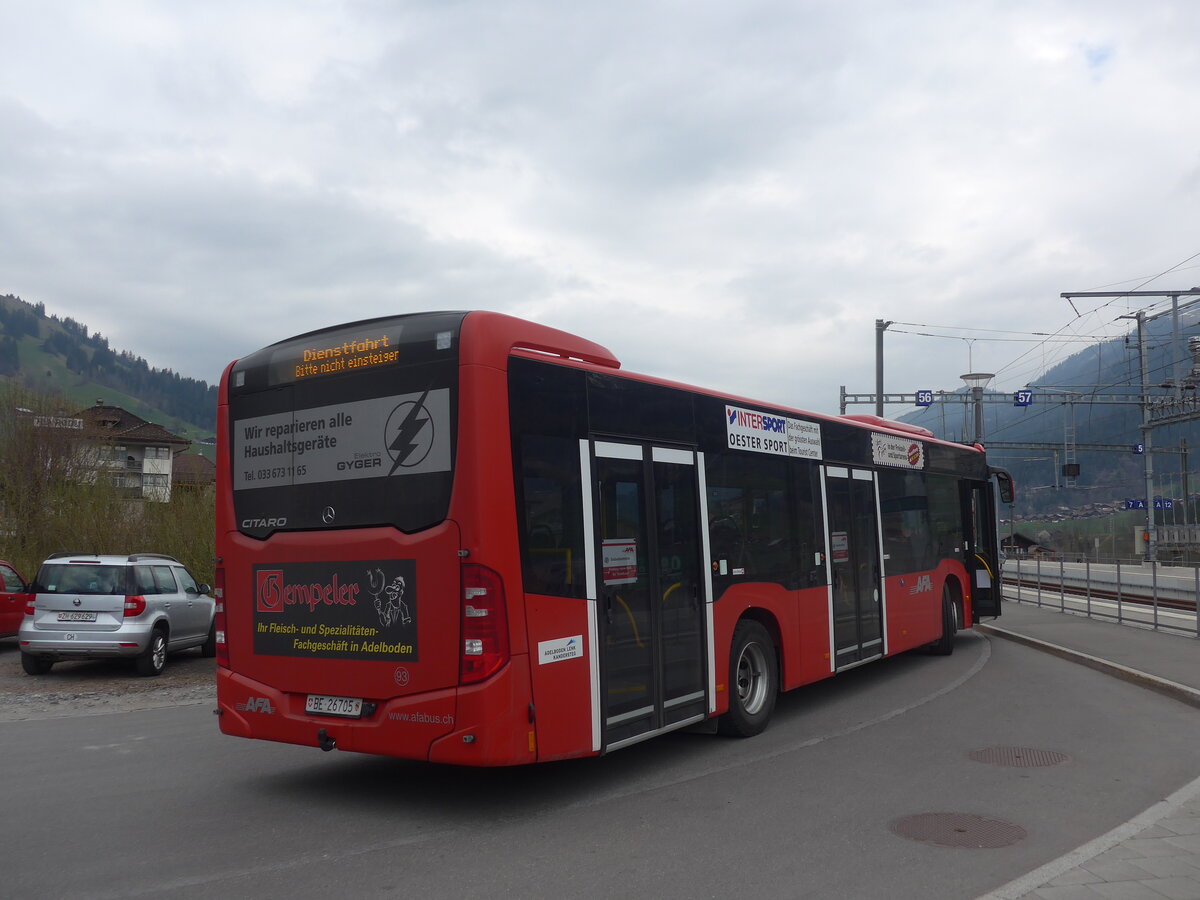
(924, 398)
(1023, 398)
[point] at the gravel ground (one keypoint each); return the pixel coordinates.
(101, 686)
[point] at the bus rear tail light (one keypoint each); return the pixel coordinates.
(134, 606)
(219, 616)
(484, 624)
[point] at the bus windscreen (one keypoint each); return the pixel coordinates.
(347, 427)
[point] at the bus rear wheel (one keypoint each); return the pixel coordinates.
(753, 681)
(944, 645)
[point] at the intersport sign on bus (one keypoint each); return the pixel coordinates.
(749, 429)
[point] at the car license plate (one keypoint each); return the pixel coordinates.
(73, 616)
(321, 705)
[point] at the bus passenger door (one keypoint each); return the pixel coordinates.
(855, 578)
(983, 548)
(651, 610)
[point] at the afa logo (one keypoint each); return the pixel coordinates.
(256, 705)
(924, 585)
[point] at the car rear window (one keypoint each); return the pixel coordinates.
(81, 579)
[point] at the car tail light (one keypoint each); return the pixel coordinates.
(134, 606)
(219, 616)
(29, 604)
(484, 624)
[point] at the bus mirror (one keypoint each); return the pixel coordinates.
(1004, 483)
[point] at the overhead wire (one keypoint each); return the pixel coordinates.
(1042, 339)
(1113, 300)
(1059, 342)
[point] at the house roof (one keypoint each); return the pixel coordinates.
(192, 468)
(1018, 540)
(116, 424)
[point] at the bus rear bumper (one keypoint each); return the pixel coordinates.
(495, 724)
(481, 725)
(404, 727)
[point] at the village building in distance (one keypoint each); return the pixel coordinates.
(144, 459)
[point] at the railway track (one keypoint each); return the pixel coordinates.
(1135, 596)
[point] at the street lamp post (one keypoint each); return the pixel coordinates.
(977, 381)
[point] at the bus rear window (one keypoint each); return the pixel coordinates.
(350, 427)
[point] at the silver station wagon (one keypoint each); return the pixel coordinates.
(141, 606)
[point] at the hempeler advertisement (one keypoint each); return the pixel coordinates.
(337, 610)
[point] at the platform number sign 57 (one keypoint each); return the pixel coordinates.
(1023, 398)
(924, 398)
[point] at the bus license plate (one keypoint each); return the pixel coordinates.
(77, 616)
(321, 705)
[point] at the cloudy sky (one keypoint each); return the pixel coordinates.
(725, 193)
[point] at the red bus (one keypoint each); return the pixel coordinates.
(472, 539)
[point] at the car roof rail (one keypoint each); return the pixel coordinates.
(68, 553)
(135, 557)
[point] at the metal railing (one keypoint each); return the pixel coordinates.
(1145, 594)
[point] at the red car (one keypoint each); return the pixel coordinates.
(13, 597)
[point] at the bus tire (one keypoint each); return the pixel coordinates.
(753, 681)
(944, 645)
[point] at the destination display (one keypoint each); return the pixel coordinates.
(335, 353)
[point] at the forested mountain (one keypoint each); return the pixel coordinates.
(1065, 409)
(49, 353)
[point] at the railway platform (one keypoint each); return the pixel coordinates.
(1157, 853)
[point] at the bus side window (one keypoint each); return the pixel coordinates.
(752, 519)
(551, 516)
(906, 531)
(945, 517)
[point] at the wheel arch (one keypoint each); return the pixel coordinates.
(767, 620)
(753, 684)
(957, 597)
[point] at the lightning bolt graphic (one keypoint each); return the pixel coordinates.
(404, 443)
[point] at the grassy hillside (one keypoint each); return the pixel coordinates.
(61, 357)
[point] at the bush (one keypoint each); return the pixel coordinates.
(54, 497)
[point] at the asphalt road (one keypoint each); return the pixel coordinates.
(129, 804)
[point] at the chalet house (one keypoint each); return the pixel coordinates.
(193, 472)
(138, 454)
(1018, 546)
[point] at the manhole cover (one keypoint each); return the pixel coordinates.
(1018, 757)
(957, 830)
